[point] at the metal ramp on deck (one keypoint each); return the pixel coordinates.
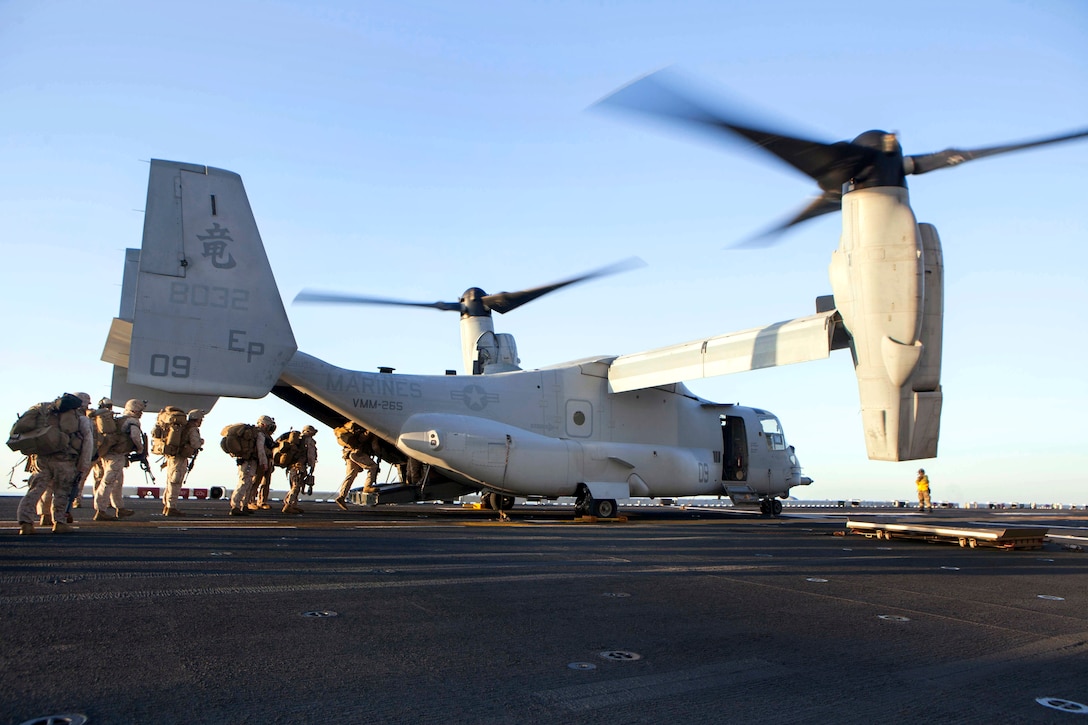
(965, 536)
(396, 492)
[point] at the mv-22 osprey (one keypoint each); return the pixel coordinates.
(201, 317)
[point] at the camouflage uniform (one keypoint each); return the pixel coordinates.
(98, 468)
(357, 460)
(248, 469)
(261, 489)
(55, 473)
(262, 482)
(77, 488)
(299, 471)
(45, 505)
(109, 492)
(177, 466)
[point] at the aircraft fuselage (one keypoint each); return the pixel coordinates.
(547, 432)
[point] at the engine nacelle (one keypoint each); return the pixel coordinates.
(500, 456)
(887, 277)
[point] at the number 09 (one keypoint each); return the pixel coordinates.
(177, 366)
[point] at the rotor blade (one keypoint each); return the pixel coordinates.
(504, 302)
(923, 163)
(831, 165)
(336, 298)
(829, 201)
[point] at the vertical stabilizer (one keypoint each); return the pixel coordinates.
(207, 317)
(119, 342)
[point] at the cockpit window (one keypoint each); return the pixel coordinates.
(772, 432)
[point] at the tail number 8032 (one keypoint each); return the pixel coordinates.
(202, 295)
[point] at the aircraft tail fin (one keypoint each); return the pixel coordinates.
(199, 303)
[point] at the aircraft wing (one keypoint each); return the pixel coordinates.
(783, 343)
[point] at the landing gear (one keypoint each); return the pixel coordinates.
(497, 501)
(603, 509)
(581, 502)
(770, 507)
(586, 505)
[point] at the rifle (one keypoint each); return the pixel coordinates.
(192, 462)
(76, 488)
(141, 458)
(145, 466)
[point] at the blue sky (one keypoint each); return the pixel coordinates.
(412, 150)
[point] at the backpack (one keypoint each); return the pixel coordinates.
(33, 430)
(290, 449)
(353, 436)
(114, 433)
(47, 428)
(186, 448)
(240, 441)
(169, 434)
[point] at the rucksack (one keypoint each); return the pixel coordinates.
(352, 435)
(48, 428)
(240, 441)
(290, 449)
(114, 433)
(169, 434)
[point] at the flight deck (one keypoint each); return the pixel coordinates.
(435, 613)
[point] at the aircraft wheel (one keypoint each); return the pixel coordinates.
(502, 502)
(583, 502)
(763, 507)
(776, 508)
(605, 508)
(487, 500)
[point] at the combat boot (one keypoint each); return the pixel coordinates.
(340, 502)
(122, 513)
(26, 529)
(103, 516)
(173, 512)
(62, 528)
